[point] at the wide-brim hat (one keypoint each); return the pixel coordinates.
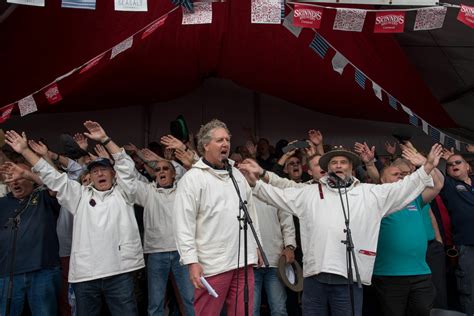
(179, 129)
(104, 162)
(338, 151)
(70, 148)
(290, 274)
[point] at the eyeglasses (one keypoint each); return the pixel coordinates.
(454, 163)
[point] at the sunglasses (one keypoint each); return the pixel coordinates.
(454, 163)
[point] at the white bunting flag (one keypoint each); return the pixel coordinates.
(266, 11)
(430, 18)
(121, 47)
(202, 14)
(288, 23)
(27, 105)
(66, 75)
(339, 62)
(407, 110)
(349, 19)
(377, 90)
(36, 3)
(131, 5)
(424, 125)
(458, 144)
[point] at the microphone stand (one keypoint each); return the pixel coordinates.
(350, 254)
(247, 221)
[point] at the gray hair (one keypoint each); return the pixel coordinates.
(204, 136)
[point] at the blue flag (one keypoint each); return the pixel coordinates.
(392, 101)
(319, 45)
(79, 4)
(360, 78)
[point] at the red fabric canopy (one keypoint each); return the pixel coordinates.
(40, 44)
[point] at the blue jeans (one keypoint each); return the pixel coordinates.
(118, 291)
(41, 287)
(276, 293)
(159, 265)
(317, 296)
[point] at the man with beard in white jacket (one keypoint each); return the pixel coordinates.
(322, 224)
(106, 244)
(206, 229)
(158, 198)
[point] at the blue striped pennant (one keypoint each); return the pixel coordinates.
(449, 142)
(392, 102)
(79, 4)
(319, 45)
(434, 133)
(413, 119)
(360, 78)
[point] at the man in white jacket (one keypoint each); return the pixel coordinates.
(158, 198)
(106, 245)
(322, 225)
(206, 229)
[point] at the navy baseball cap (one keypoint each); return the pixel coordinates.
(104, 162)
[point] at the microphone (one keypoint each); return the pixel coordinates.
(338, 179)
(227, 165)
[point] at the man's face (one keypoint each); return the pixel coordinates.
(340, 165)
(391, 174)
(21, 188)
(293, 168)
(263, 147)
(218, 148)
(457, 167)
(165, 173)
(315, 169)
(405, 170)
(86, 179)
(102, 177)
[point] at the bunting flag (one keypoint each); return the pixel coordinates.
(27, 105)
(288, 23)
(392, 102)
(266, 11)
(413, 119)
(430, 18)
(360, 78)
(434, 133)
(389, 22)
(6, 112)
(449, 142)
(339, 62)
(91, 63)
(121, 47)
(458, 144)
(78, 4)
(36, 3)
(131, 5)
(466, 15)
(442, 137)
(319, 45)
(425, 127)
(377, 90)
(52, 94)
(406, 110)
(202, 14)
(153, 27)
(307, 16)
(349, 20)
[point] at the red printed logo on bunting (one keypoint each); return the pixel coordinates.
(52, 94)
(466, 15)
(389, 22)
(6, 112)
(152, 28)
(92, 63)
(307, 16)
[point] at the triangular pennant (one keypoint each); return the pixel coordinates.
(121, 47)
(288, 23)
(430, 18)
(153, 27)
(52, 94)
(349, 19)
(466, 15)
(360, 78)
(339, 62)
(128, 5)
(27, 105)
(377, 90)
(6, 112)
(78, 4)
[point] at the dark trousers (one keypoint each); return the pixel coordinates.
(465, 278)
(318, 296)
(405, 295)
(436, 260)
(118, 291)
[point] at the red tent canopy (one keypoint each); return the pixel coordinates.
(40, 44)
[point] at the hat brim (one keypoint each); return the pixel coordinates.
(326, 158)
(96, 163)
(298, 285)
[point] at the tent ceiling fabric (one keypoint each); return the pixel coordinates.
(40, 44)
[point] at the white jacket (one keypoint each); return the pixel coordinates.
(322, 220)
(105, 239)
(157, 216)
(277, 229)
(205, 219)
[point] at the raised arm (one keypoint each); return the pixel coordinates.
(12, 172)
(367, 155)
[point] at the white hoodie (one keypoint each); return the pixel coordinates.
(322, 220)
(205, 219)
(105, 239)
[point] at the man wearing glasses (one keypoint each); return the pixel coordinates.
(458, 196)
